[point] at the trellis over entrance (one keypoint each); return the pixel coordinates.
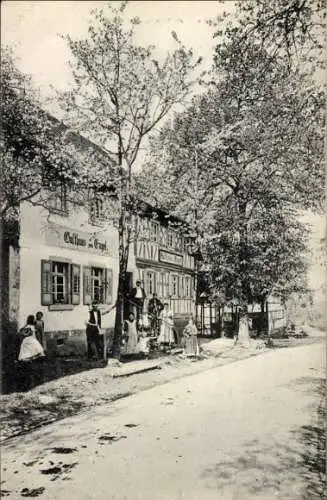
(214, 319)
(209, 317)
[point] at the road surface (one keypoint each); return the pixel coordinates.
(248, 430)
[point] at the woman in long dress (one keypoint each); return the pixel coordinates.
(31, 353)
(166, 336)
(30, 347)
(191, 345)
(131, 336)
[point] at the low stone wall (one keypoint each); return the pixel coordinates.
(71, 342)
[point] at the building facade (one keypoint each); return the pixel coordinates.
(67, 260)
(164, 264)
(67, 257)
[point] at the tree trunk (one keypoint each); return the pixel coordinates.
(119, 318)
(243, 336)
(262, 316)
(124, 240)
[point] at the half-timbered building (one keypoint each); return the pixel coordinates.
(164, 263)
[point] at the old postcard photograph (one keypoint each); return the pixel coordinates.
(163, 250)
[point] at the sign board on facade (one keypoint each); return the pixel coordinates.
(171, 258)
(96, 243)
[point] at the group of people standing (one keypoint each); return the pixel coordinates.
(141, 328)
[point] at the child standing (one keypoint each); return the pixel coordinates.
(39, 329)
(144, 342)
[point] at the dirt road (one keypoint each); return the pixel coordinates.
(249, 430)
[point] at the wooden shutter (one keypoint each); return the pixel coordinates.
(75, 284)
(158, 284)
(141, 277)
(109, 286)
(46, 282)
(181, 286)
(171, 278)
(87, 289)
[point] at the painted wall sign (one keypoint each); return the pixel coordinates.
(170, 258)
(97, 242)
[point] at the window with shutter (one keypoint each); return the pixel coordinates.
(159, 288)
(181, 287)
(46, 282)
(174, 285)
(98, 284)
(141, 277)
(109, 286)
(76, 284)
(166, 281)
(87, 289)
(60, 279)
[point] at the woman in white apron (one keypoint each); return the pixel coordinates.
(30, 356)
(166, 336)
(30, 347)
(130, 336)
(143, 335)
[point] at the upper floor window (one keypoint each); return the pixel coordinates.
(57, 197)
(186, 245)
(96, 206)
(170, 239)
(178, 242)
(154, 231)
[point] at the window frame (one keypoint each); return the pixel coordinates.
(60, 279)
(96, 212)
(98, 291)
(150, 290)
(174, 280)
(106, 284)
(170, 239)
(155, 231)
(71, 277)
(57, 190)
(188, 287)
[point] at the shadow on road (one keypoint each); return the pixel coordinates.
(276, 468)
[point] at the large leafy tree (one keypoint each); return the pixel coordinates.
(292, 29)
(34, 146)
(35, 152)
(258, 131)
(120, 93)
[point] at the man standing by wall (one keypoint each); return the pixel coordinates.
(137, 298)
(94, 334)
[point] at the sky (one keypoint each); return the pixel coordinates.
(33, 29)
